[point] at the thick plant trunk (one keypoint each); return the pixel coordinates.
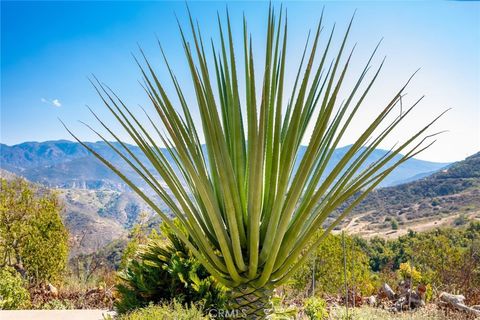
(251, 303)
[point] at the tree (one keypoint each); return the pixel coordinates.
(33, 238)
(252, 209)
(329, 268)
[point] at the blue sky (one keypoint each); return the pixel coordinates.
(48, 49)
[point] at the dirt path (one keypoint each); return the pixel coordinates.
(353, 222)
(362, 228)
(54, 314)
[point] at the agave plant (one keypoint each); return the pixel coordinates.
(248, 201)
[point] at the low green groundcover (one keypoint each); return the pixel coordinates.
(172, 311)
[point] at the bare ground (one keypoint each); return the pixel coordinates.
(365, 229)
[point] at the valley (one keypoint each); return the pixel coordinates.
(100, 209)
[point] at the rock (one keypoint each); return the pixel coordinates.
(457, 302)
(372, 301)
(452, 298)
(385, 289)
(416, 299)
(52, 290)
(400, 304)
(404, 287)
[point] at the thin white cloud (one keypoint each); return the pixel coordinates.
(56, 103)
(53, 102)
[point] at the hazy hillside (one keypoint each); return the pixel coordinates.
(65, 164)
(95, 218)
(445, 197)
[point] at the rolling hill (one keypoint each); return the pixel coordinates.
(447, 197)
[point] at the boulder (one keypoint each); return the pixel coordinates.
(372, 301)
(52, 290)
(387, 291)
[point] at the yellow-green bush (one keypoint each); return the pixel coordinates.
(13, 294)
(32, 233)
(328, 264)
(315, 308)
(408, 272)
(281, 310)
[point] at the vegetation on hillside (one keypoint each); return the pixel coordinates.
(157, 269)
(33, 239)
(454, 189)
(444, 259)
(331, 255)
(453, 179)
(448, 259)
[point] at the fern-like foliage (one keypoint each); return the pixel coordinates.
(163, 270)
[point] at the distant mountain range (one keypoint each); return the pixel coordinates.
(99, 208)
(66, 164)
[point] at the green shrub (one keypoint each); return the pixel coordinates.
(164, 270)
(13, 294)
(379, 252)
(328, 263)
(394, 224)
(280, 311)
(461, 220)
(32, 233)
(173, 311)
(57, 304)
(315, 308)
(446, 258)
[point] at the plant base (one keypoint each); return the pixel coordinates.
(251, 303)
